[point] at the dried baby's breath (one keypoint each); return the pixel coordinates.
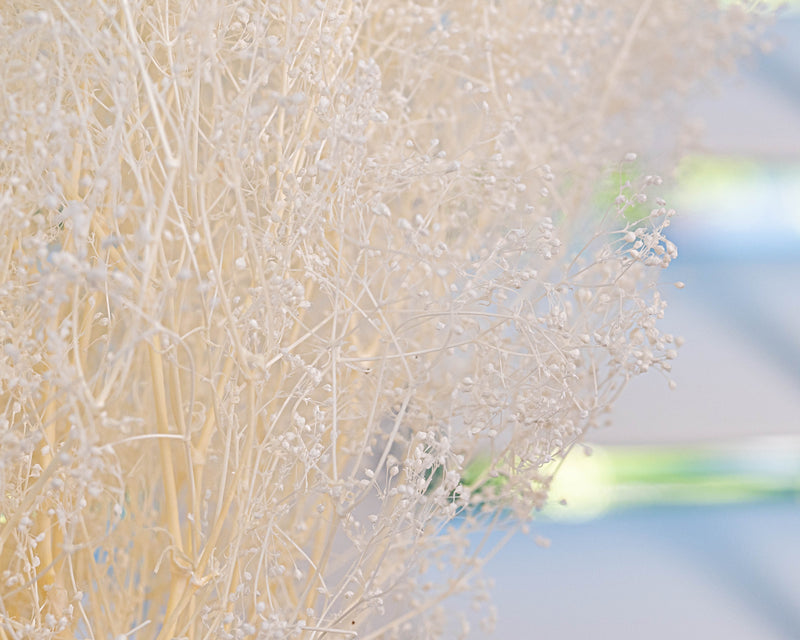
(297, 296)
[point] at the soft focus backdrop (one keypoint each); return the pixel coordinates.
(684, 522)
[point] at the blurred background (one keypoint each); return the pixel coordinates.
(685, 520)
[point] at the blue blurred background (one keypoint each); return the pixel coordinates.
(686, 521)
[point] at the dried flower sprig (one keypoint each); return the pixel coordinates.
(274, 274)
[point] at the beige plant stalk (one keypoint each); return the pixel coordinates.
(276, 275)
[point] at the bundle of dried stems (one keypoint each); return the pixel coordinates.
(298, 296)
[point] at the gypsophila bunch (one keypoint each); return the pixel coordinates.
(277, 275)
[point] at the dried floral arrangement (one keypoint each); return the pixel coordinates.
(299, 297)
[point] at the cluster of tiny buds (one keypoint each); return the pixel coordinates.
(297, 296)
